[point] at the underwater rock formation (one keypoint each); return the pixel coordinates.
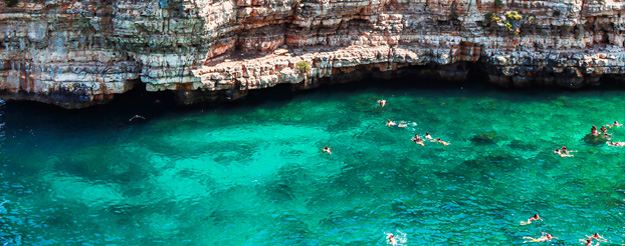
(79, 53)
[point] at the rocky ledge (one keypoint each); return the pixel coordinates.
(80, 53)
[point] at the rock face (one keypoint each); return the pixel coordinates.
(79, 53)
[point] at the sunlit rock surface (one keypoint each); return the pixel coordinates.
(79, 53)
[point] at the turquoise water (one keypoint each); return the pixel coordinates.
(253, 173)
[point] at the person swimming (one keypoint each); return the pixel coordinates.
(438, 140)
(562, 153)
(392, 240)
(429, 137)
(544, 238)
(606, 135)
(418, 140)
(617, 144)
(327, 150)
(390, 123)
(533, 218)
(615, 124)
(597, 237)
(603, 129)
(382, 102)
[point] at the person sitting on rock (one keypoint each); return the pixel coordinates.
(603, 129)
(615, 124)
(593, 131)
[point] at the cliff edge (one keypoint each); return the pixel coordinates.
(80, 53)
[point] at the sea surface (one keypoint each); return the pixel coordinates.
(253, 173)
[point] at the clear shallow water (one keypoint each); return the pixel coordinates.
(253, 173)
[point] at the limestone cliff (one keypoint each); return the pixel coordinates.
(79, 53)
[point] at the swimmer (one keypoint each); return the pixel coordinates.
(392, 240)
(603, 129)
(136, 117)
(615, 124)
(429, 137)
(389, 123)
(606, 135)
(597, 237)
(382, 102)
(327, 150)
(588, 242)
(438, 140)
(402, 125)
(617, 144)
(418, 140)
(529, 221)
(544, 238)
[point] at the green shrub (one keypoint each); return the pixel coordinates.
(303, 67)
(556, 13)
(11, 3)
(490, 17)
(498, 3)
(513, 16)
(453, 16)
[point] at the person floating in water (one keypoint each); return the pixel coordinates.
(429, 137)
(617, 144)
(615, 124)
(418, 140)
(533, 218)
(327, 150)
(438, 140)
(392, 240)
(593, 131)
(596, 236)
(561, 153)
(390, 123)
(544, 238)
(606, 135)
(382, 102)
(137, 117)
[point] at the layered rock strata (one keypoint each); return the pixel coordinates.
(79, 53)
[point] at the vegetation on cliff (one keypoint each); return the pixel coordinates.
(303, 67)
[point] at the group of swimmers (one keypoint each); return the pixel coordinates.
(604, 131)
(594, 132)
(418, 140)
(545, 237)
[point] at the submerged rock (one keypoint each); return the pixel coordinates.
(596, 140)
(484, 138)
